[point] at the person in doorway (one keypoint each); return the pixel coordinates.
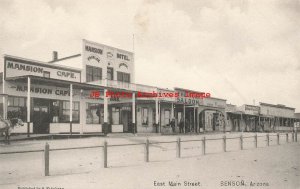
(181, 125)
(172, 123)
(98, 114)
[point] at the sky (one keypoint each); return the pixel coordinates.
(244, 51)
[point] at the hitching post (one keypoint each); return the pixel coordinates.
(268, 139)
(203, 146)
(147, 150)
(241, 142)
(224, 143)
(178, 147)
(287, 137)
(277, 138)
(46, 159)
(105, 154)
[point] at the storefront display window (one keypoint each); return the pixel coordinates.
(65, 115)
(16, 108)
(94, 114)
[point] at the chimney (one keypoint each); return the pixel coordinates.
(54, 56)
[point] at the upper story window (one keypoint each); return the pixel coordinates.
(93, 73)
(125, 77)
(110, 73)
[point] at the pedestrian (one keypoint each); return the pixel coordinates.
(181, 125)
(172, 123)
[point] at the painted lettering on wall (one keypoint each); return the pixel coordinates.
(94, 58)
(23, 67)
(93, 49)
(122, 56)
(66, 74)
(188, 101)
(123, 64)
(40, 90)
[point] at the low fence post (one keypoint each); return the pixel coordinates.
(277, 138)
(178, 147)
(287, 137)
(268, 139)
(105, 154)
(255, 140)
(147, 150)
(224, 143)
(241, 142)
(46, 159)
(203, 146)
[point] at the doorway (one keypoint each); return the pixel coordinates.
(41, 116)
(126, 120)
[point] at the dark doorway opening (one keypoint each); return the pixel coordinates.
(41, 116)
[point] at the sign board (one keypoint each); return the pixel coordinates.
(182, 98)
(252, 110)
(19, 68)
(103, 56)
(41, 91)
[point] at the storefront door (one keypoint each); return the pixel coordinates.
(126, 115)
(41, 116)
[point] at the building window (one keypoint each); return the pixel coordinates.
(16, 108)
(167, 117)
(110, 73)
(93, 73)
(46, 74)
(65, 115)
(115, 116)
(144, 116)
(124, 77)
(94, 113)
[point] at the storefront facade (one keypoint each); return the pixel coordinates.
(52, 97)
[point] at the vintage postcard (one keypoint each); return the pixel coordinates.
(149, 94)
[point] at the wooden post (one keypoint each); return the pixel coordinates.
(287, 137)
(178, 147)
(105, 154)
(147, 150)
(241, 142)
(224, 143)
(268, 139)
(293, 137)
(255, 140)
(296, 135)
(105, 111)
(71, 108)
(133, 113)
(46, 159)
(184, 118)
(28, 105)
(203, 146)
(277, 138)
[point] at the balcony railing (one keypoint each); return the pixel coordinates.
(125, 85)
